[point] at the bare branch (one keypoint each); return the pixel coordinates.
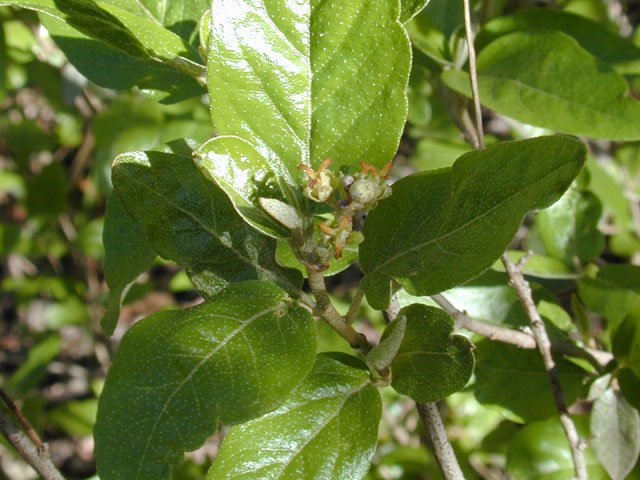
(354, 308)
(521, 286)
(37, 457)
(442, 448)
(473, 74)
(325, 309)
(21, 418)
(597, 358)
(430, 417)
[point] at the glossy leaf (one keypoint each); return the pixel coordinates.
(516, 380)
(431, 363)
(615, 292)
(327, 429)
(569, 228)
(282, 76)
(177, 373)
(190, 221)
(442, 228)
(410, 8)
(615, 426)
(547, 79)
(381, 356)
(127, 255)
(246, 177)
(594, 37)
(540, 450)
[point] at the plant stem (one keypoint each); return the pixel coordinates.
(36, 456)
(597, 358)
(21, 418)
(430, 417)
(324, 307)
(354, 308)
(521, 286)
(442, 448)
(473, 74)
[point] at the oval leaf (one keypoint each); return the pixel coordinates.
(328, 428)
(615, 426)
(178, 373)
(297, 105)
(431, 363)
(190, 221)
(442, 228)
(547, 79)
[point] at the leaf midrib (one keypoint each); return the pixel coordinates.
(188, 377)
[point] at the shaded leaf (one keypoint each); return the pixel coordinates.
(546, 79)
(410, 8)
(127, 255)
(626, 343)
(540, 450)
(594, 37)
(326, 429)
(516, 380)
(297, 105)
(178, 373)
(190, 221)
(615, 292)
(381, 356)
(615, 426)
(442, 228)
(431, 363)
(569, 228)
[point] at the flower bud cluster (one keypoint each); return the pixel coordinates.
(349, 195)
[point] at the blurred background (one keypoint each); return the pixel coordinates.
(59, 134)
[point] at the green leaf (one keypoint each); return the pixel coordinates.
(431, 363)
(594, 37)
(178, 373)
(189, 220)
(76, 417)
(120, 71)
(626, 343)
(546, 79)
(127, 255)
(516, 380)
(246, 177)
(615, 425)
(629, 386)
(410, 8)
(569, 228)
(442, 228)
(381, 356)
(615, 292)
(47, 191)
(179, 16)
(119, 43)
(34, 369)
(282, 76)
(539, 266)
(540, 450)
(328, 428)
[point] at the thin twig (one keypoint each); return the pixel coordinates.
(430, 417)
(37, 457)
(325, 309)
(21, 418)
(521, 286)
(354, 308)
(442, 448)
(473, 74)
(597, 358)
